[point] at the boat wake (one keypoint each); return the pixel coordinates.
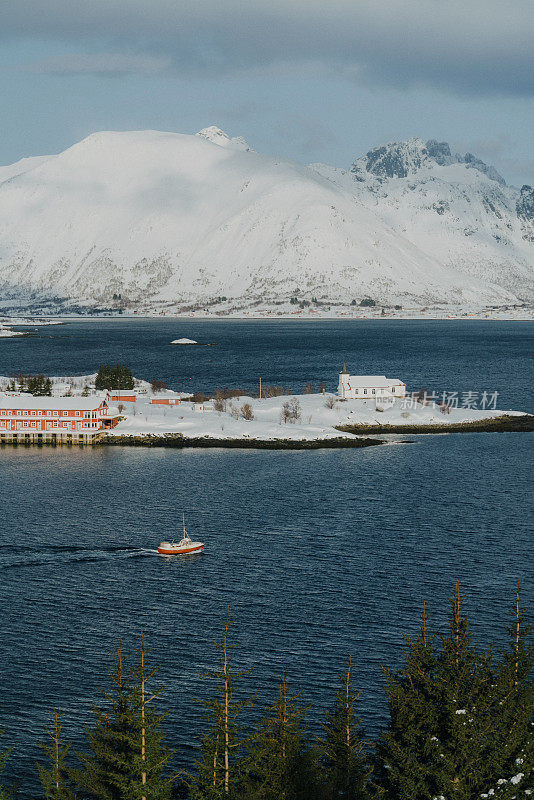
(13, 557)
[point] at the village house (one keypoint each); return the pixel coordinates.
(369, 387)
(122, 396)
(165, 400)
(27, 419)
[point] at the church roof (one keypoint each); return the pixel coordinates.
(344, 371)
(373, 381)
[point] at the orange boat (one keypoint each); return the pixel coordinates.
(182, 548)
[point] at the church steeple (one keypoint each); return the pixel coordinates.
(344, 371)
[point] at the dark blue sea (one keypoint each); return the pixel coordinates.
(320, 555)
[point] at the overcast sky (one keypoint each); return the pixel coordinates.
(312, 80)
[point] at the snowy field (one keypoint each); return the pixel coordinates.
(315, 419)
(305, 417)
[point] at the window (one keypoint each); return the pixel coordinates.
(86, 414)
(65, 413)
(55, 413)
(55, 424)
(392, 388)
(65, 424)
(25, 424)
(77, 413)
(32, 424)
(373, 391)
(365, 391)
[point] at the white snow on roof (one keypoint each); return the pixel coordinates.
(60, 403)
(374, 381)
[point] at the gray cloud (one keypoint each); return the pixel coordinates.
(108, 64)
(478, 46)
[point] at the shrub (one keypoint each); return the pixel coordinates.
(330, 401)
(246, 411)
(157, 385)
(219, 404)
(291, 411)
(272, 391)
(226, 394)
(367, 302)
(234, 411)
(309, 388)
(422, 396)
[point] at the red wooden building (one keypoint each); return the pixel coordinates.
(24, 417)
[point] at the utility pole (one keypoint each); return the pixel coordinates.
(260, 388)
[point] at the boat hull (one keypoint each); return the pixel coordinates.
(181, 551)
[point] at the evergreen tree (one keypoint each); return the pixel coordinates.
(342, 748)
(124, 377)
(466, 720)
(152, 751)
(511, 744)
(102, 380)
(117, 377)
(217, 772)
(47, 388)
(5, 792)
(55, 779)
(128, 755)
(409, 748)
(280, 765)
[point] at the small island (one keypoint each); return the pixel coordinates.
(112, 407)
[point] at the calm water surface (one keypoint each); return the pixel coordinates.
(320, 555)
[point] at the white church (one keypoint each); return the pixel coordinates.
(369, 387)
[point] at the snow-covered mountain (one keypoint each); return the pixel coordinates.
(174, 220)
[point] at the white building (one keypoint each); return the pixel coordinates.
(369, 387)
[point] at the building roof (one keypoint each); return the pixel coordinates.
(344, 371)
(373, 381)
(76, 403)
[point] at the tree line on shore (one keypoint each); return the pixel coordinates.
(460, 728)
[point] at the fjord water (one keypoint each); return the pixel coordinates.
(320, 554)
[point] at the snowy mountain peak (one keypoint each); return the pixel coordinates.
(393, 160)
(217, 136)
(173, 220)
(401, 159)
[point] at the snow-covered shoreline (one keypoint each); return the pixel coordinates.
(274, 313)
(8, 333)
(316, 419)
(286, 418)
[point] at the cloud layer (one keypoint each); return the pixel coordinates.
(475, 47)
